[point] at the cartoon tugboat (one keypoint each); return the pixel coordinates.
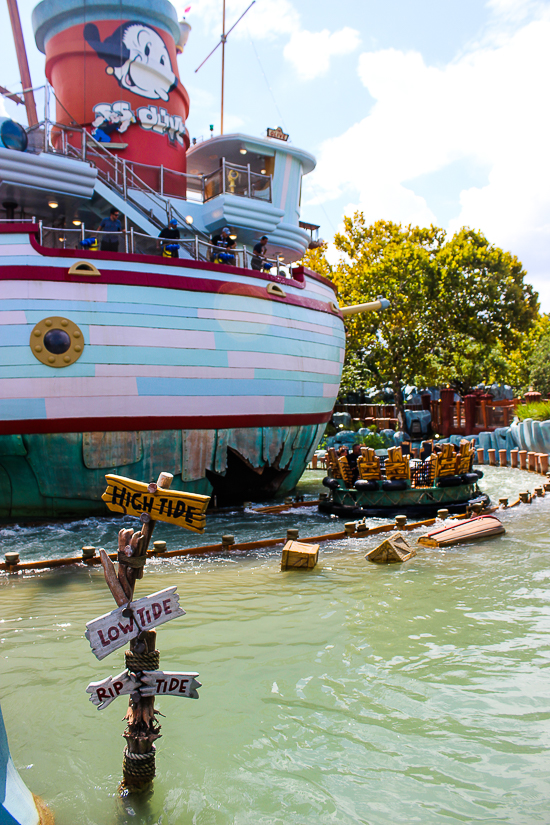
(398, 484)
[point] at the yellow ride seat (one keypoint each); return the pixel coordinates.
(368, 465)
(448, 461)
(345, 469)
(332, 460)
(397, 466)
(465, 457)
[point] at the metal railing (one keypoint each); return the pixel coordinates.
(74, 141)
(237, 180)
(130, 241)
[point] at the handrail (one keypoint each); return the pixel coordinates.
(197, 249)
(193, 183)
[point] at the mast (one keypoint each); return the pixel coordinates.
(224, 38)
(17, 31)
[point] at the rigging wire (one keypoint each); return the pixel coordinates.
(312, 185)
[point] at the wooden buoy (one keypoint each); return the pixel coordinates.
(12, 559)
(292, 534)
(299, 555)
(543, 463)
(522, 459)
(159, 547)
(492, 457)
(393, 550)
(503, 502)
(539, 491)
(288, 500)
(480, 455)
(88, 553)
(514, 457)
(502, 458)
(443, 514)
(532, 462)
(227, 541)
(361, 527)
(349, 527)
(400, 522)
(547, 487)
(525, 498)
(477, 508)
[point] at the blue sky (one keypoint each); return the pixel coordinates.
(426, 112)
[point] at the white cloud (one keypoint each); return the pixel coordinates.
(310, 52)
(266, 19)
(488, 106)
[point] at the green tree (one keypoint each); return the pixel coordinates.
(457, 306)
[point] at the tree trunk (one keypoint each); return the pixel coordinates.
(399, 406)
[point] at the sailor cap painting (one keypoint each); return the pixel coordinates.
(137, 56)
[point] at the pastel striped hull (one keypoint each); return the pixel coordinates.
(208, 351)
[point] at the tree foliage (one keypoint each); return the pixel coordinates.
(458, 306)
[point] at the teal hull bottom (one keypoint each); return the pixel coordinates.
(62, 475)
(416, 502)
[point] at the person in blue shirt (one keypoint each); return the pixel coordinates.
(110, 224)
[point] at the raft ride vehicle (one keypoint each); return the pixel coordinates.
(397, 484)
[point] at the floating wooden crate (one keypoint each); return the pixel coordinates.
(297, 554)
(391, 551)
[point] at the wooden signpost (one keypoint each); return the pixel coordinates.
(166, 683)
(134, 620)
(105, 692)
(114, 629)
(123, 495)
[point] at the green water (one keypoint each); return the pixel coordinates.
(352, 693)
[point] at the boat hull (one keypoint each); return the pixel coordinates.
(187, 367)
(417, 502)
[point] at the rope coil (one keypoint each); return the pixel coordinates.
(135, 662)
(139, 765)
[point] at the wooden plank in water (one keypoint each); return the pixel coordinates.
(474, 529)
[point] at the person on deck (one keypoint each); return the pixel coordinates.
(221, 253)
(258, 260)
(110, 224)
(170, 233)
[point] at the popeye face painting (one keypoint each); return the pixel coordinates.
(137, 56)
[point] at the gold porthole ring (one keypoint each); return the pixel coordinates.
(275, 289)
(84, 268)
(57, 342)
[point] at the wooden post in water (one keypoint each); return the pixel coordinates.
(134, 620)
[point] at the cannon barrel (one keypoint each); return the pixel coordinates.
(380, 303)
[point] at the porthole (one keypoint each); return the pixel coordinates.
(57, 342)
(84, 268)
